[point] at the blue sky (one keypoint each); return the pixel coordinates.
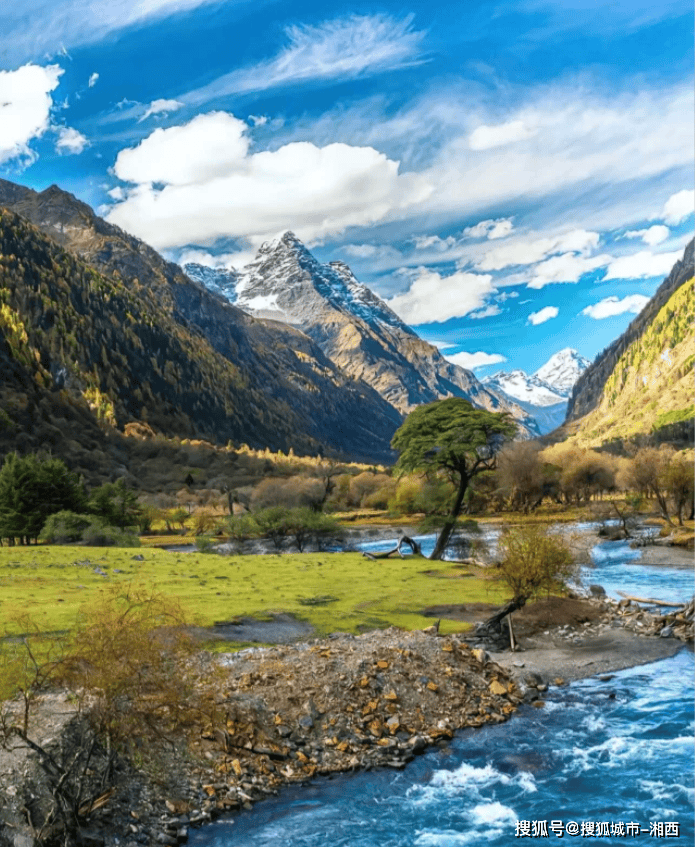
(513, 177)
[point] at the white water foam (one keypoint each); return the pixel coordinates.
(622, 749)
(469, 780)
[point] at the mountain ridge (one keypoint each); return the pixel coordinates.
(545, 393)
(355, 328)
(285, 392)
(589, 387)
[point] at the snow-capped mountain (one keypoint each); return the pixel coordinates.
(220, 280)
(562, 370)
(543, 394)
(353, 326)
(529, 389)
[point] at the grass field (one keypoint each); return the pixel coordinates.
(331, 591)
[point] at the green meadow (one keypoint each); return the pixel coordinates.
(331, 591)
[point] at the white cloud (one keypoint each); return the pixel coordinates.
(433, 298)
(161, 107)
(642, 265)
(679, 206)
(25, 107)
(490, 229)
(70, 141)
(484, 137)
(93, 78)
(221, 260)
(344, 48)
(567, 267)
(524, 252)
(543, 315)
(433, 242)
(259, 120)
(488, 312)
(652, 236)
(34, 27)
(611, 306)
(197, 182)
(612, 147)
(473, 361)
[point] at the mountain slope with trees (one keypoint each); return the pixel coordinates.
(589, 388)
(130, 334)
(642, 383)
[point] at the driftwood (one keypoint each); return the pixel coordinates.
(492, 629)
(494, 622)
(403, 540)
(651, 601)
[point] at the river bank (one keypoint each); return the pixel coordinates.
(285, 715)
(290, 713)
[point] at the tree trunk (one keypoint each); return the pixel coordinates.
(493, 622)
(448, 527)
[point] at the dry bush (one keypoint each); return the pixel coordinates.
(584, 473)
(366, 484)
(532, 559)
(292, 493)
(203, 522)
(126, 656)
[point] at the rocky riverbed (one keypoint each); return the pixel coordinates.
(290, 713)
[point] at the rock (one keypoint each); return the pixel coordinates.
(666, 632)
(481, 655)
(496, 687)
(533, 679)
(597, 590)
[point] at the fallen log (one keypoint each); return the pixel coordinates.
(403, 540)
(651, 601)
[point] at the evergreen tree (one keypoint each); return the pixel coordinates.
(32, 489)
(451, 436)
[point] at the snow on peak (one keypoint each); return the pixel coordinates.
(550, 384)
(519, 386)
(562, 370)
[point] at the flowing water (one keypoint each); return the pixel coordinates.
(610, 757)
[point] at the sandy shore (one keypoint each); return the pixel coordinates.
(611, 650)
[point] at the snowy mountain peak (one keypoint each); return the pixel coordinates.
(220, 280)
(547, 389)
(562, 370)
(528, 389)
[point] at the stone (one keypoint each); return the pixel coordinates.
(666, 632)
(496, 687)
(597, 590)
(481, 655)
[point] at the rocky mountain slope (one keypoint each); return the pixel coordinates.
(589, 389)
(106, 317)
(643, 382)
(352, 325)
(545, 393)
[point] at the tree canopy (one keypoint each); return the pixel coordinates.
(453, 437)
(31, 489)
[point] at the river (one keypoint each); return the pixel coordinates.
(610, 757)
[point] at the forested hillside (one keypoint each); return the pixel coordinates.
(130, 334)
(589, 388)
(647, 390)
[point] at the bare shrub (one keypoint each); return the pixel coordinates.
(291, 493)
(532, 559)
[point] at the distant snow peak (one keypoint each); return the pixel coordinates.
(550, 385)
(562, 370)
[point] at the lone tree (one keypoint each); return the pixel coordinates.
(454, 437)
